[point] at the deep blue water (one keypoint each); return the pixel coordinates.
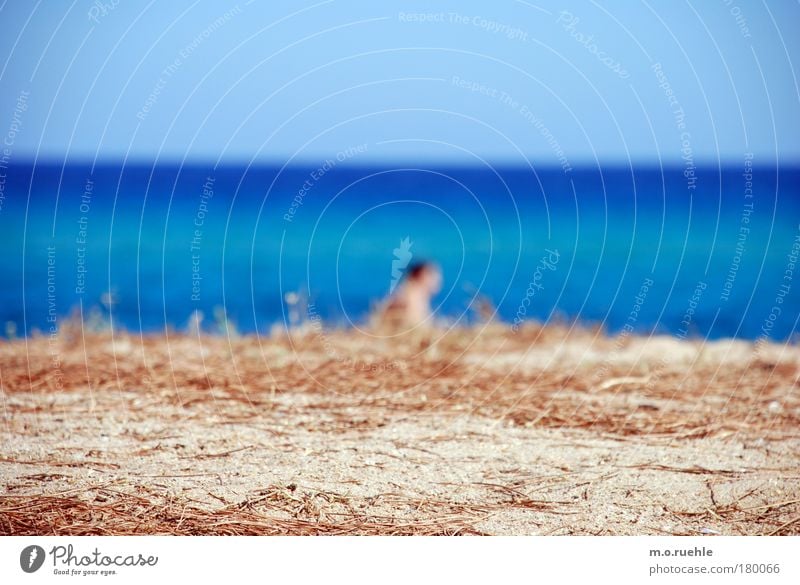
(614, 229)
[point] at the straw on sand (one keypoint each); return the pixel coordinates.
(337, 383)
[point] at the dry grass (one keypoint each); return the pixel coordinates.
(126, 409)
(103, 511)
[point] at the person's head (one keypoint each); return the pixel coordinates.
(425, 275)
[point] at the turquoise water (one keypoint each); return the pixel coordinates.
(646, 249)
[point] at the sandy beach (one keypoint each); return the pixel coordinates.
(547, 430)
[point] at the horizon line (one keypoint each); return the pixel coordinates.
(404, 162)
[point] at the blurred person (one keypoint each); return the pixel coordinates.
(409, 306)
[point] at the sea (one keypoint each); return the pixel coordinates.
(701, 252)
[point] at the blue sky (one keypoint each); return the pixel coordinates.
(507, 81)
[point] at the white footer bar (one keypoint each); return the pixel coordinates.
(156, 559)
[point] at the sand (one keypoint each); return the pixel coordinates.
(548, 430)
